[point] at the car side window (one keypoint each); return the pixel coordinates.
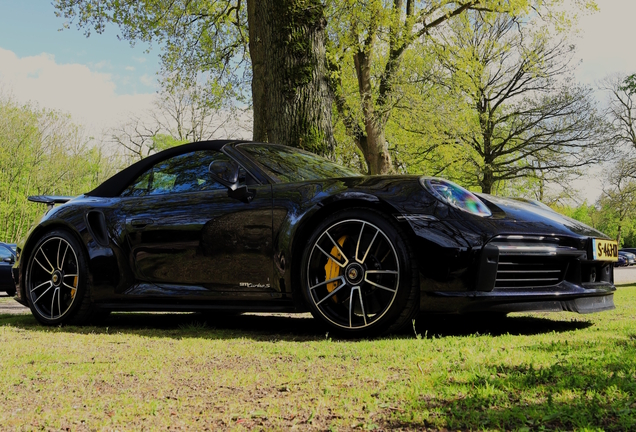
(184, 173)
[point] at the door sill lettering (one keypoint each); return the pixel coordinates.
(251, 285)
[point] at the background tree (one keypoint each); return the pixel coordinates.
(275, 48)
(629, 84)
(282, 44)
(370, 45)
(615, 210)
(373, 57)
(136, 137)
(621, 110)
(518, 113)
(43, 152)
(619, 198)
(184, 111)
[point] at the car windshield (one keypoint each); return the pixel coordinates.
(289, 164)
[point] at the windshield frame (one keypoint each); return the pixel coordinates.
(240, 148)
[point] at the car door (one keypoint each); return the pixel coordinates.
(187, 237)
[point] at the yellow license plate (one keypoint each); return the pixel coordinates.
(605, 250)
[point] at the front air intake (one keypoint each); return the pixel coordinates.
(523, 272)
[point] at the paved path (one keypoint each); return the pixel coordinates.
(10, 306)
(622, 275)
(625, 275)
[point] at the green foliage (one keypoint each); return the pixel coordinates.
(607, 217)
(381, 61)
(616, 216)
(41, 152)
(163, 141)
(583, 213)
(629, 84)
(372, 53)
(509, 116)
(197, 37)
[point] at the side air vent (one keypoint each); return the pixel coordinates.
(97, 227)
(529, 272)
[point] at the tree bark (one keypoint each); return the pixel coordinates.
(256, 16)
(292, 101)
(377, 154)
(374, 148)
(486, 126)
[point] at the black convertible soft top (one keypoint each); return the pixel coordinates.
(117, 183)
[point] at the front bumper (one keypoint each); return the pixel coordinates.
(515, 273)
(562, 297)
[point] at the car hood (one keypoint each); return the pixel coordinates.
(527, 214)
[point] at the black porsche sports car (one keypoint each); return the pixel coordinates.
(243, 226)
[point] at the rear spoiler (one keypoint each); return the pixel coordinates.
(50, 200)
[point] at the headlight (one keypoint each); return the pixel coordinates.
(455, 195)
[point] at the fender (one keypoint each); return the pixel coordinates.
(349, 195)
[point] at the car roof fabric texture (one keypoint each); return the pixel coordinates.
(117, 183)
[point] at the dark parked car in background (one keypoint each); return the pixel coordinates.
(242, 226)
(622, 261)
(7, 259)
(629, 256)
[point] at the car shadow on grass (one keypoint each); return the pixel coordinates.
(296, 327)
(476, 324)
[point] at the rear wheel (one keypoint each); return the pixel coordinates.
(56, 280)
(358, 276)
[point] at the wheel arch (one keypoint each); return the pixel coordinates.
(33, 238)
(326, 207)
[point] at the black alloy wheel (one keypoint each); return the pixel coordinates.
(56, 280)
(357, 274)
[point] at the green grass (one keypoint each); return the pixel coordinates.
(176, 371)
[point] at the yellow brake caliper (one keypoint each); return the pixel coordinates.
(332, 269)
(74, 290)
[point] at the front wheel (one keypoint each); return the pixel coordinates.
(56, 280)
(358, 274)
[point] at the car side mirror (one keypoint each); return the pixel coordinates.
(8, 260)
(227, 173)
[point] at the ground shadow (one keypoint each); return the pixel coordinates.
(295, 327)
(467, 325)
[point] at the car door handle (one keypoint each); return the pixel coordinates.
(141, 223)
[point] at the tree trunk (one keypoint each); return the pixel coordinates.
(374, 148)
(377, 152)
(256, 16)
(292, 102)
(487, 182)
(486, 125)
(488, 177)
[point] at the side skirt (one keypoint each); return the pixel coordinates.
(158, 307)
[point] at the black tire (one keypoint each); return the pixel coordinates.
(56, 280)
(356, 294)
(10, 292)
